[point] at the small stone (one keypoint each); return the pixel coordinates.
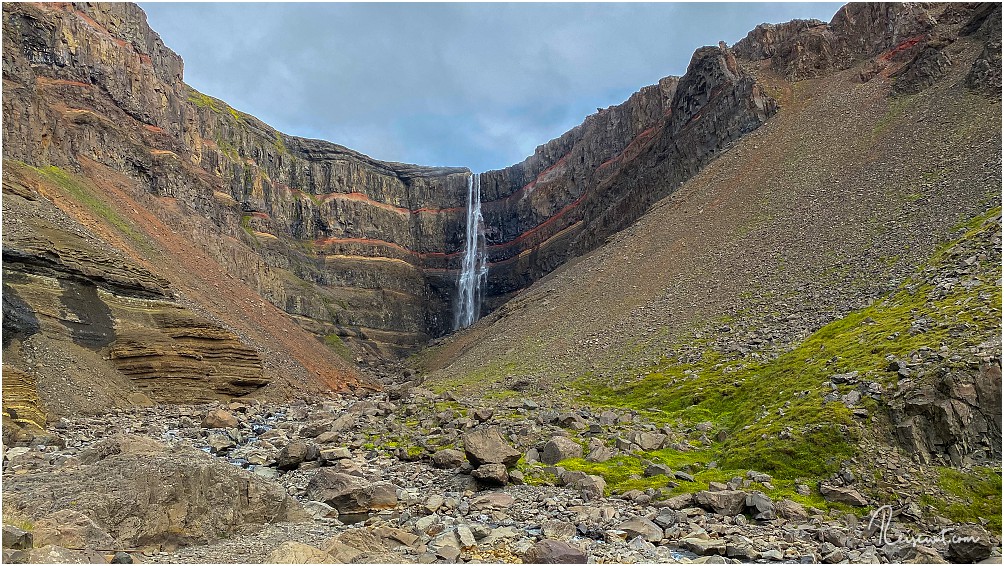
(658, 470)
(332, 454)
(772, 554)
(466, 537)
(319, 510)
(433, 503)
(558, 530)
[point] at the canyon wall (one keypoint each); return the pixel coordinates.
(361, 254)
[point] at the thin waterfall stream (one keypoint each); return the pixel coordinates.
(474, 269)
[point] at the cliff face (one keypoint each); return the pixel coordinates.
(602, 176)
(229, 212)
(350, 246)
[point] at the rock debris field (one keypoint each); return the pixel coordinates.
(403, 476)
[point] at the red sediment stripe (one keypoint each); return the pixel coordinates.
(64, 82)
(642, 138)
(532, 231)
(531, 184)
(903, 46)
(382, 243)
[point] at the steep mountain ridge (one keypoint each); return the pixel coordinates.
(831, 269)
(363, 253)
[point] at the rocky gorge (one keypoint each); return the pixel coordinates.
(750, 314)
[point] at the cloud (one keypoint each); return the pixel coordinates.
(473, 84)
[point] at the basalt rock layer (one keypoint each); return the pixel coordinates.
(350, 246)
(222, 224)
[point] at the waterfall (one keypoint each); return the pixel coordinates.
(474, 270)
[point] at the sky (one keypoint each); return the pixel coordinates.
(476, 85)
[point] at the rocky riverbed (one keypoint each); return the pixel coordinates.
(407, 476)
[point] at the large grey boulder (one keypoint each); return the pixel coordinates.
(554, 552)
(560, 448)
(969, 544)
(486, 446)
(448, 458)
(846, 495)
(727, 502)
(350, 494)
(641, 527)
(491, 474)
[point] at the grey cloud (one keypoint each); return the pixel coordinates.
(476, 84)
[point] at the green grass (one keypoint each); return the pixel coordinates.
(202, 100)
(279, 145)
(774, 411)
(83, 193)
(976, 495)
(336, 343)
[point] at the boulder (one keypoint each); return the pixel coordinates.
(292, 552)
(144, 493)
(218, 418)
(332, 454)
(658, 470)
(678, 502)
(969, 544)
(703, 546)
(846, 495)
(550, 551)
(558, 530)
(762, 506)
(491, 474)
(486, 446)
(350, 494)
(16, 538)
(648, 441)
(448, 458)
(727, 502)
(495, 500)
(790, 510)
(642, 527)
(292, 455)
(70, 529)
(600, 454)
(560, 448)
(593, 486)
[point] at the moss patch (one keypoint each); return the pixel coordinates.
(336, 343)
(975, 495)
(84, 194)
(775, 413)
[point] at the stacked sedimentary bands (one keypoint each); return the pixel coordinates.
(159, 238)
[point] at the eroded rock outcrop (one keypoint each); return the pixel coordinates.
(143, 493)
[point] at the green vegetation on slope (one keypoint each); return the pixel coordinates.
(774, 413)
(336, 343)
(978, 493)
(82, 193)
